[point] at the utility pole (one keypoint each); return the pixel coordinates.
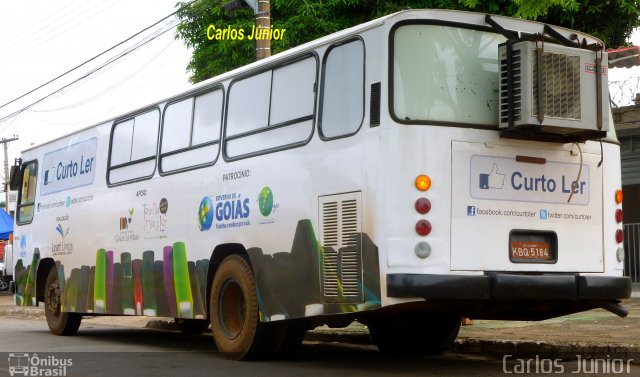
(5, 143)
(263, 23)
(262, 10)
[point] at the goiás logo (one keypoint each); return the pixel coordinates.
(229, 211)
(502, 178)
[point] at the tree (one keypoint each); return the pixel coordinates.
(611, 21)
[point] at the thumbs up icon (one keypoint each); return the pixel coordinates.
(492, 180)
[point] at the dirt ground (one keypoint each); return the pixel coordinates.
(596, 326)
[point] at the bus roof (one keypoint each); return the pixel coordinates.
(442, 15)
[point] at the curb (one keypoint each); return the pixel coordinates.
(495, 348)
(498, 348)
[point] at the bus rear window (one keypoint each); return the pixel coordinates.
(445, 74)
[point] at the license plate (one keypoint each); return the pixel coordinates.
(537, 250)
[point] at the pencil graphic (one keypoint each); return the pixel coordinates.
(148, 290)
(81, 300)
(161, 295)
(30, 286)
(202, 266)
(169, 287)
(116, 307)
(99, 286)
(72, 291)
(184, 299)
(90, 285)
(108, 281)
(198, 307)
(19, 273)
(128, 304)
(136, 266)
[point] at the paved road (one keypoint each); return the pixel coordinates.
(100, 350)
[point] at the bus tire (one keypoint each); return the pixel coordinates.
(414, 333)
(59, 322)
(192, 326)
(233, 305)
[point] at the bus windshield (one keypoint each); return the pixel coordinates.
(445, 74)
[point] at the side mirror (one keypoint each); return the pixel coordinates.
(14, 180)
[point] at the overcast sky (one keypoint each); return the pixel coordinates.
(40, 39)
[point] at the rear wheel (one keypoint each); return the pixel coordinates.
(192, 326)
(235, 321)
(60, 323)
(415, 333)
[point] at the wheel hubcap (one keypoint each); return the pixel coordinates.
(53, 298)
(231, 309)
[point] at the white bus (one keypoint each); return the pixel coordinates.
(407, 172)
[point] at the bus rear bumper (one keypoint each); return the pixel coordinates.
(508, 287)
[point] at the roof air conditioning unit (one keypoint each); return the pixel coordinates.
(551, 92)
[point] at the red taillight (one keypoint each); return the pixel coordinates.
(619, 236)
(423, 205)
(619, 215)
(423, 227)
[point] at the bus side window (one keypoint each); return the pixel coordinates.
(27, 193)
(272, 110)
(134, 142)
(191, 132)
(342, 98)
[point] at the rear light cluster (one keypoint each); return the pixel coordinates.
(423, 206)
(619, 217)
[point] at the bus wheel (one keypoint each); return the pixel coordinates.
(60, 323)
(235, 322)
(192, 326)
(415, 333)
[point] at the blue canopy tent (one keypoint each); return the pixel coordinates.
(6, 225)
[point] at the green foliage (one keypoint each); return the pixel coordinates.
(305, 20)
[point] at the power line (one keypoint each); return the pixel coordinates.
(109, 89)
(112, 62)
(23, 50)
(38, 25)
(90, 60)
(79, 79)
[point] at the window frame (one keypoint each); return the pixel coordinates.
(193, 96)
(322, 84)
(19, 197)
(153, 157)
(312, 117)
(390, 69)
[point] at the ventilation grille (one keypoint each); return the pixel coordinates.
(340, 238)
(374, 106)
(561, 86)
(516, 87)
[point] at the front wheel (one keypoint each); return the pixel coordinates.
(233, 308)
(60, 323)
(4, 285)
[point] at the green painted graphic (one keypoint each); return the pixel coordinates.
(265, 201)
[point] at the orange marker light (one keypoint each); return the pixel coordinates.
(619, 196)
(423, 182)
